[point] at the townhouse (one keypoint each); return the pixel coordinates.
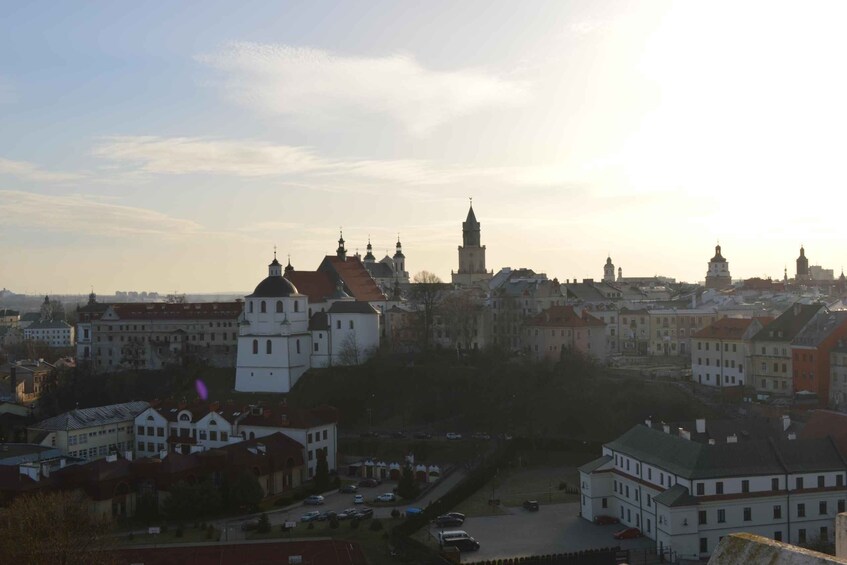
(721, 352)
(560, 328)
(671, 330)
(688, 495)
(811, 353)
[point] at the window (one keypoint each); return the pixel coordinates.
(745, 485)
(701, 489)
(338, 324)
(777, 512)
(351, 324)
(704, 545)
(822, 507)
(223, 436)
(627, 491)
(298, 346)
(263, 307)
(801, 510)
(748, 514)
(821, 481)
(279, 306)
(649, 474)
(140, 431)
(798, 483)
(325, 434)
(774, 484)
(801, 536)
(213, 435)
(309, 438)
(296, 305)
(268, 347)
(160, 431)
(615, 486)
(604, 503)
(777, 536)
(824, 533)
(721, 516)
(701, 517)
(255, 347)
(839, 480)
(719, 487)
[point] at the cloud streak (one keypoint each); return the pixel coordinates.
(85, 215)
(25, 170)
(317, 86)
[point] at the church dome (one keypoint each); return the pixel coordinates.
(274, 287)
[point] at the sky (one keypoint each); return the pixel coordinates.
(170, 146)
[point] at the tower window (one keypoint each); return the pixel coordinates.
(298, 346)
(279, 305)
(268, 347)
(263, 307)
(296, 305)
(255, 347)
(251, 306)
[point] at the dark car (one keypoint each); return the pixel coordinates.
(398, 435)
(348, 489)
(531, 505)
(463, 544)
(346, 514)
(458, 515)
(423, 435)
(365, 513)
(329, 515)
(629, 533)
(370, 483)
(606, 520)
(447, 521)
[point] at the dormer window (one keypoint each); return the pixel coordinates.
(184, 417)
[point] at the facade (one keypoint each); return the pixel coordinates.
(634, 331)
(515, 296)
(53, 333)
(559, 328)
(471, 255)
(687, 495)
(609, 271)
(183, 428)
(811, 353)
(284, 333)
(90, 433)
(771, 357)
(671, 330)
(838, 378)
(388, 272)
(718, 276)
(155, 335)
(86, 315)
(720, 355)
(802, 272)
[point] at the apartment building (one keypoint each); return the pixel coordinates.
(671, 330)
(561, 328)
(720, 355)
(810, 353)
(687, 495)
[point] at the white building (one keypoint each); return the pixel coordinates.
(720, 353)
(90, 433)
(184, 428)
(687, 495)
(280, 337)
(54, 334)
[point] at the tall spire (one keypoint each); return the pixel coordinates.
(288, 267)
(369, 256)
(274, 269)
(470, 229)
(341, 252)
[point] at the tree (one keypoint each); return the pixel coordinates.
(245, 492)
(349, 353)
(426, 291)
(321, 472)
(460, 313)
(187, 501)
(264, 525)
(407, 487)
(56, 527)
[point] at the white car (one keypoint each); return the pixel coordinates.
(453, 435)
(386, 497)
(315, 499)
(358, 499)
(309, 516)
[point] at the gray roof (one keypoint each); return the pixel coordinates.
(596, 464)
(88, 417)
(677, 495)
(788, 324)
(57, 325)
(352, 307)
(694, 460)
(31, 317)
(819, 328)
(379, 270)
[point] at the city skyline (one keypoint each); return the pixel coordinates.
(172, 147)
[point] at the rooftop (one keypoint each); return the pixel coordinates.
(88, 417)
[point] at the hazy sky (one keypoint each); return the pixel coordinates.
(170, 145)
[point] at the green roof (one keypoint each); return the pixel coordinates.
(596, 464)
(677, 495)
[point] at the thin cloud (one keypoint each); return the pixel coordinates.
(318, 86)
(85, 215)
(27, 171)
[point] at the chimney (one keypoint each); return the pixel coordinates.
(62, 463)
(684, 434)
(648, 422)
(786, 422)
(732, 439)
(266, 413)
(260, 447)
(213, 407)
(711, 441)
(666, 428)
(112, 458)
(701, 425)
(163, 454)
(284, 419)
(128, 455)
(792, 436)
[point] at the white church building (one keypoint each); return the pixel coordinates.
(279, 340)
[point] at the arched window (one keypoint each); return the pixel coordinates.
(268, 347)
(250, 306)
(298, 346)
(255, 347)
(263, 307)
(279, 305)
(213, 423)
(296, 305)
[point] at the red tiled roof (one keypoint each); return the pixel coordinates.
(563, 316)
(276, 416)
(822, 423)
(315, 552)
(729, 328)
(356, 278)
(166, 311)
(317, 285)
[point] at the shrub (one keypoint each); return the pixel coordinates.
(283, 501)
(354, 523)
(395, 513)
(333, 522)
(311, 526)
(210, 531)
(179, 531)
(264, 525)
(376, 525)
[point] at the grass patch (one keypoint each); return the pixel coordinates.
(189, 535)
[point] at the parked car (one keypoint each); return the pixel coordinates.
(453, 435)
(531, 505)
(358, 499)
(314, 499)
(464, 544)
(398, 435)
(364, 513)
(628, 533)
(329, 515)
(249, 526)
(606, 520)
(368, 483)
(349, 513)
(348, 489)
(386, 497)
(480, 435)
(422, 435)
(447, 521)
(310, 516)
(458, 515)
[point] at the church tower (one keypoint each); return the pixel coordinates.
(399, 260)
(609, 271)
(802, 267)
(471, 254)
(718, 276)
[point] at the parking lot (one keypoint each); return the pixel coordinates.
(555, 528)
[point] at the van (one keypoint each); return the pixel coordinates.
(451, 535)
(458, 539)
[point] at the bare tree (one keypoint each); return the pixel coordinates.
(55, 527)
(426, 292)
(459, 312)
(349, 353)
